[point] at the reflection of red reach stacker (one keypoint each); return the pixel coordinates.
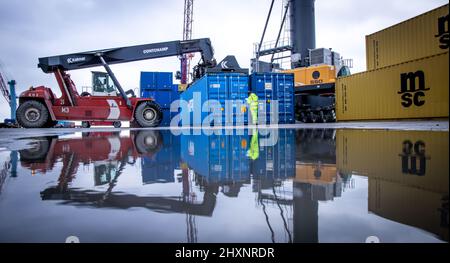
(88, 124)
(109, 153)
(40, 108)
(91, 148)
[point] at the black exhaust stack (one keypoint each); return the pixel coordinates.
(303, 31)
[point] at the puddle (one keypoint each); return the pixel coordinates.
(260, 186)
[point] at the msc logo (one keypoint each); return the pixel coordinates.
(412, 89)
(443, 34)
(414, 160)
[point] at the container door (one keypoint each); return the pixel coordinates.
(164, 80)
(217, 90)
(238, 93)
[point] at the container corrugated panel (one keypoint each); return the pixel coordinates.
(160, 167)
(205, 155)
(410, 206)
(163, 97)
(156, 81)
(421, 36)
(274, 87)
(167, 117)
(412, 158)
(217, 158)
(277, 161)
(214, 91)
(416, 89)
(239, 162)
(237, 94)
(159, 87)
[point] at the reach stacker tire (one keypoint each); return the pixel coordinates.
(148, 141)
(148, 114)
(32, 114)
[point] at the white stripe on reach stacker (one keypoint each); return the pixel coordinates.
(114, 110)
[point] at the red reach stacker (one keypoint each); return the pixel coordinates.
(40, 108)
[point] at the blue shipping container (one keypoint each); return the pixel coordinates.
(156, 81)
(163, 97)
(221, 96)
(159, 87)
(167, 117)
(270, 87)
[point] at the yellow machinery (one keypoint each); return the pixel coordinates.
(315, 91)
(316, 173)
(315, 75)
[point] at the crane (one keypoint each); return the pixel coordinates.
(187, 35)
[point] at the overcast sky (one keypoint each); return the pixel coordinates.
(30, 29)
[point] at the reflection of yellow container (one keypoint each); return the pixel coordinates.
(411, 158)
(416, 89)
(316, 173)
(415, 38)
(411, 206)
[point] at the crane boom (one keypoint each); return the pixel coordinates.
(129, 54)
(4, 89)
(187, 35)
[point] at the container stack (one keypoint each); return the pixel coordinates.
(270, 88)
(159, 86)
(407, 73)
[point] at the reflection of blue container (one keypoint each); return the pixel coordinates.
(278, 161)
(239, 162)
(278, 87)
(209, 96)
(206, 155)
(217, 158)
(160, 167)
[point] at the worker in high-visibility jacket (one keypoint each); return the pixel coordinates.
(252, 101)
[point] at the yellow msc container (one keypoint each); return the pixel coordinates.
(416, 159)
(418, 37)
(415, 89)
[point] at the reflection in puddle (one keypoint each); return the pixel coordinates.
(407, 171)
(249, 186)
